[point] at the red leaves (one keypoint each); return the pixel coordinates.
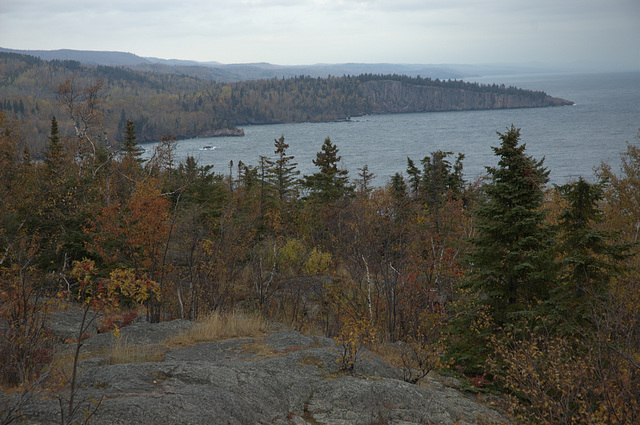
(113, 322)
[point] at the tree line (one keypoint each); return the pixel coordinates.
(162, 104)
(509, 284)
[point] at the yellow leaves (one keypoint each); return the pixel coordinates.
(353, 337)
(83, 271)
(126, 283)
(622, 207)
(208, 247)
(104, 293)
(557, 379)
(318, 262)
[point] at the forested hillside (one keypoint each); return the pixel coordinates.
(161, 104)
(519, 289)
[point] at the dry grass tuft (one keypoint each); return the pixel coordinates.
(259, 349)
(220, 326)
(121, 351)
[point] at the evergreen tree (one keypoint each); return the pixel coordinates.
(398, 187)
(439, 177)
(589, 256)
(122, 123)
(330, 183)
(363, 182)
(247, 177)
(414, 177)
(282, 171)
(130, 146)
(53, 154)
(512, 262)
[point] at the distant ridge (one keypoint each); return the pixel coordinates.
(240, 72)
(217, 71)
(87, 57)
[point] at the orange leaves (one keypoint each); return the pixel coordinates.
(136, 233)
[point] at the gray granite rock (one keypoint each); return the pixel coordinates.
(66, 323)
(284, 378)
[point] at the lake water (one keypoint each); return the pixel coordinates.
(572, 139)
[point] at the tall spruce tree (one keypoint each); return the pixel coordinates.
(54, 153)
(363, 182)
(130, 146)
(398, 186)
(440, 178)
(512, 262)
(282, 171)
(415, 177)
(590, 257)
(330, 183)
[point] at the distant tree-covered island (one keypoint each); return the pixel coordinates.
(161, 104)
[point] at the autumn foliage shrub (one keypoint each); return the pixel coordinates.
(352, 320)
(26, 344)
(548, 379)
(568, 379)
(115, 322)
(352, 340)
(422, 350)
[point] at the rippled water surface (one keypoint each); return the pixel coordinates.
(573, 139)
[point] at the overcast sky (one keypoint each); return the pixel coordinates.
(302, 32)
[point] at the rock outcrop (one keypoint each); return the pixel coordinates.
(283, 378)
(389, 96)
(225, 132)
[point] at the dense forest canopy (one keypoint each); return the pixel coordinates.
(161, 104)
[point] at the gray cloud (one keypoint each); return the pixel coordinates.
(312, 31)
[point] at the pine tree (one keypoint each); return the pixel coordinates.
(282, 171)
(512, 262)
(266, 189)
(130, 146)
(398, 187)
(439, 177)
(330, 183)
(415, 176)
(53, 154)
(363, 182)
(589, 255)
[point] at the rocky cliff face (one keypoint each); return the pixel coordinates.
(282, 378)
(395, 97)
